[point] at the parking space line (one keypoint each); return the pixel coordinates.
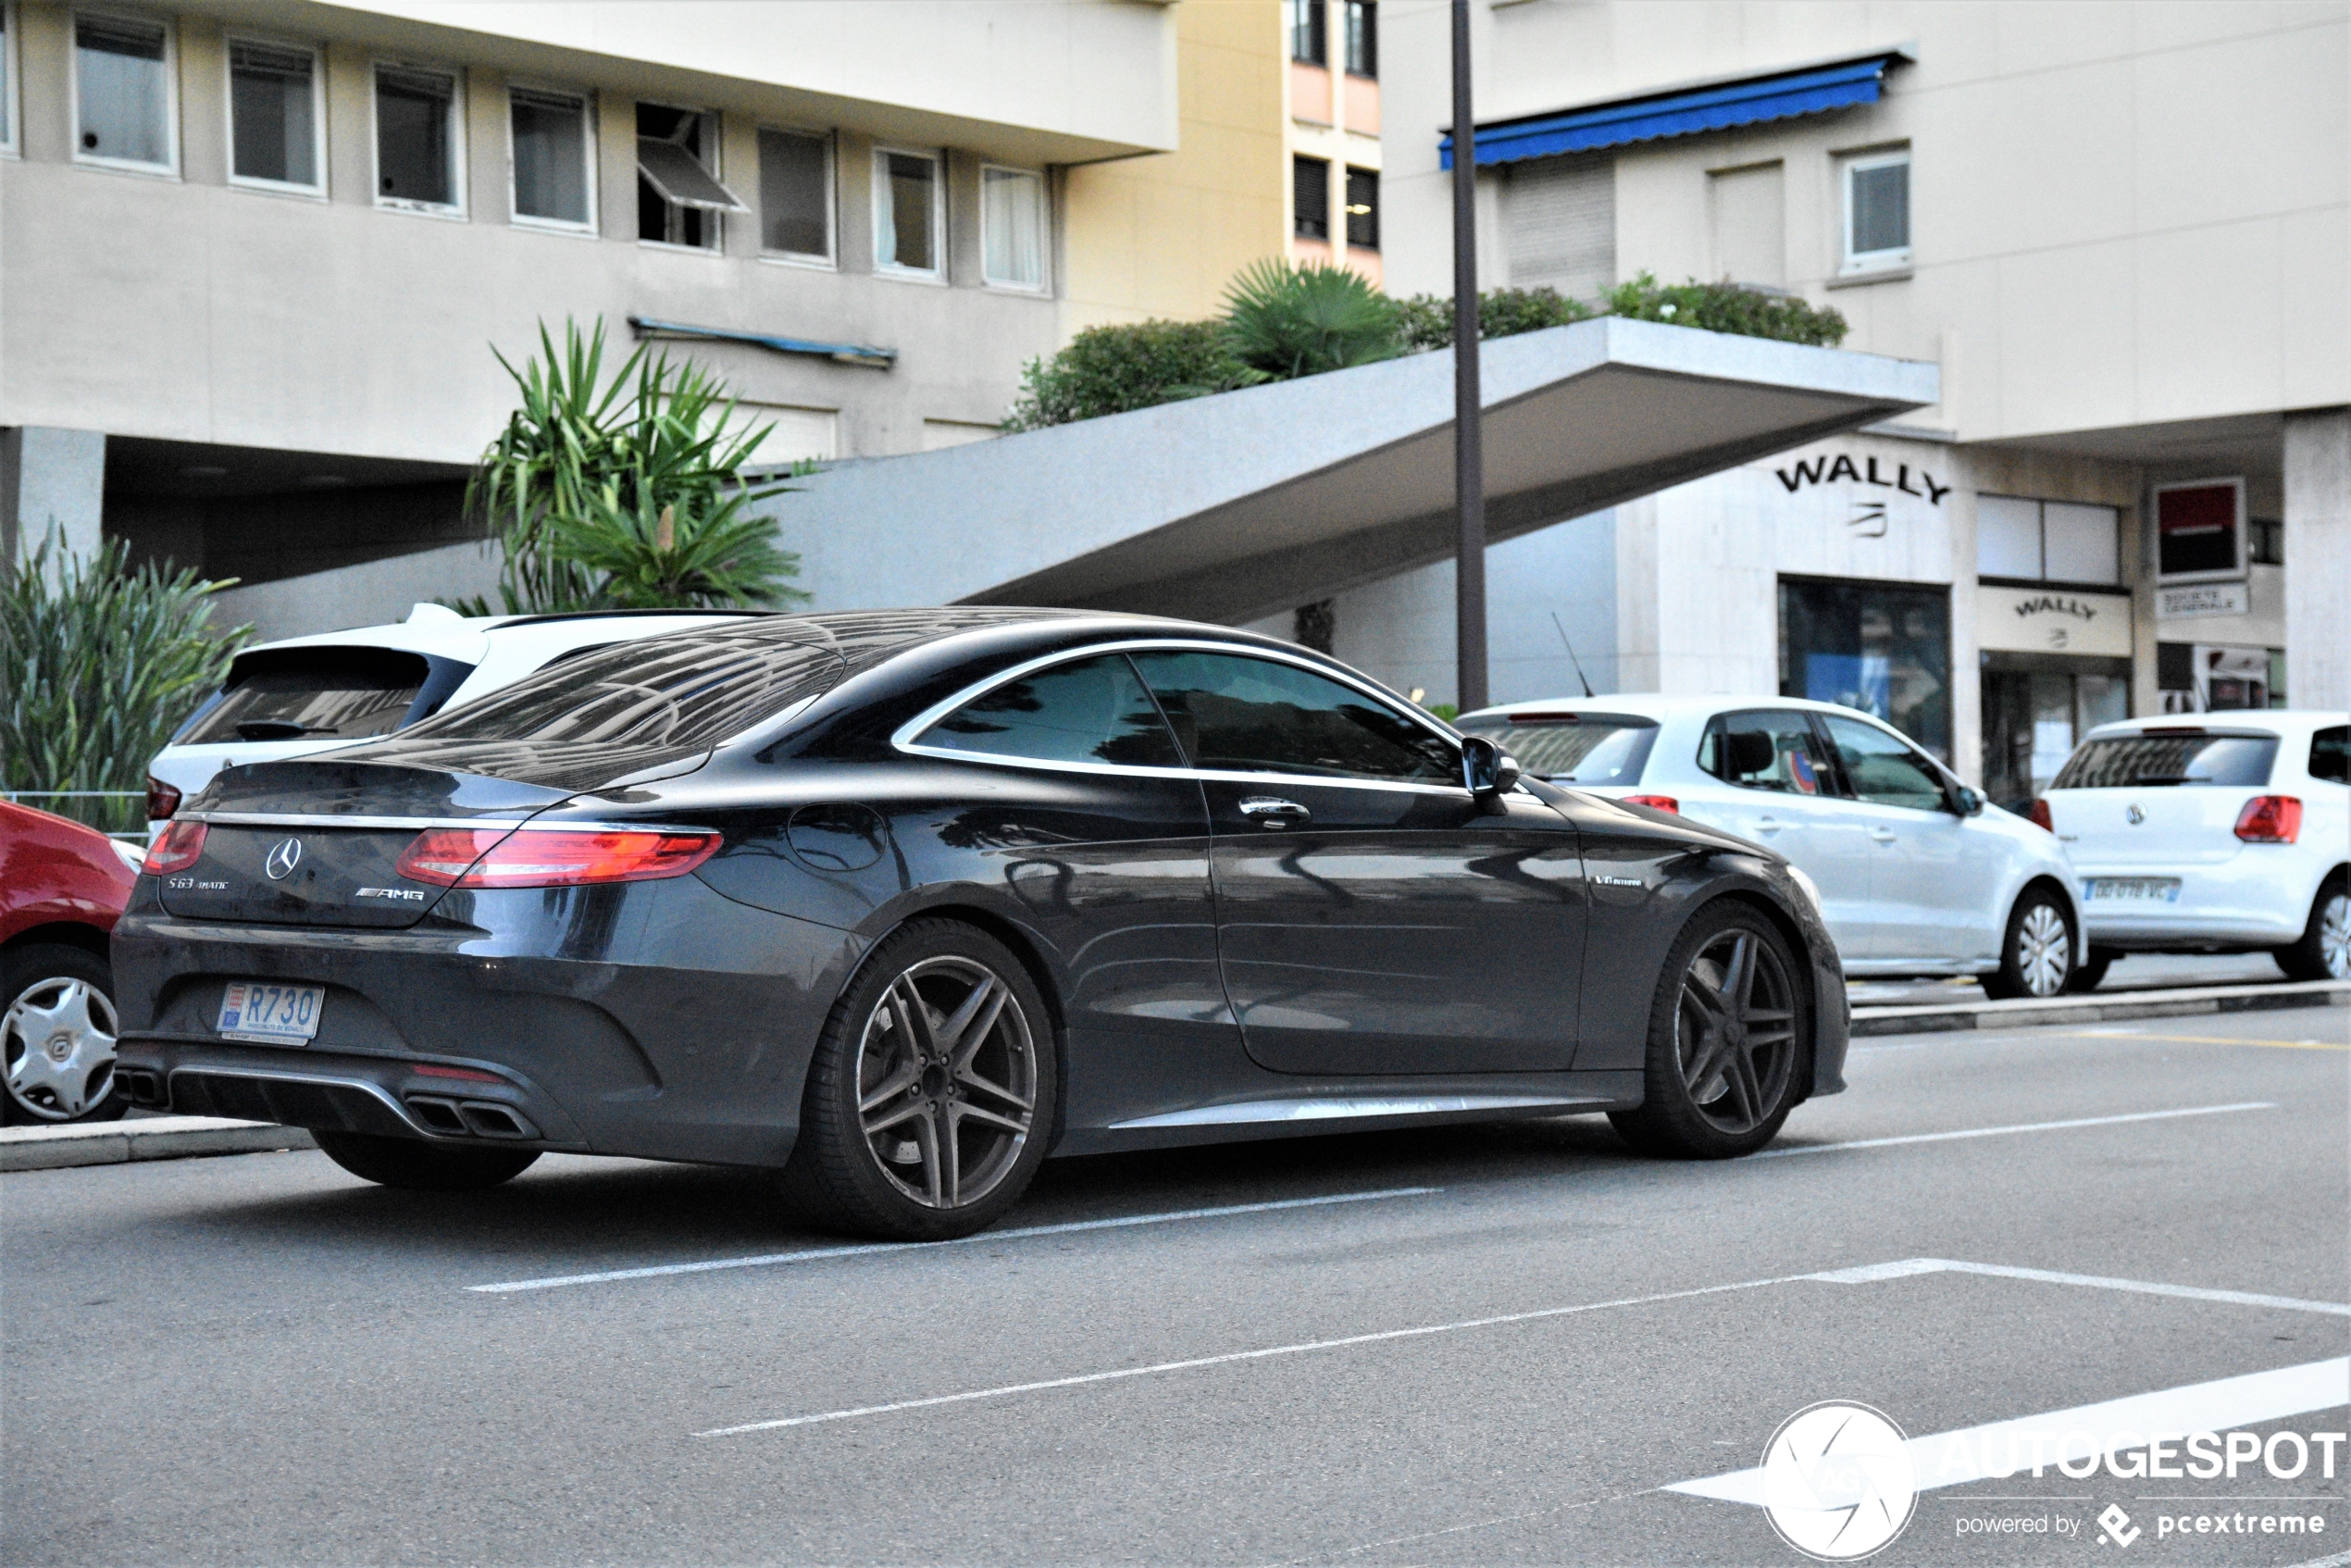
(2000, 1449)
(1873, 1273)
(2003, 1132)
(2218, 1040)
(817, 1254)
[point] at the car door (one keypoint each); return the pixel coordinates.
(1778, 787)
(1372, 916)
(1937, 902)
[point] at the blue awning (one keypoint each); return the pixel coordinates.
(1716, 106)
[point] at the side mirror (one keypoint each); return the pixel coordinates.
(1971, 802)
(1487, 769)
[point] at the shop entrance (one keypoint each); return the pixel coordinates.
(2037, 708)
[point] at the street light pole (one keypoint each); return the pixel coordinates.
(1468, 459)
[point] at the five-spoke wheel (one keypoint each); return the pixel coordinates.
(1726, 1041)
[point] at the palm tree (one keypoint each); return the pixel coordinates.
(1283, 321)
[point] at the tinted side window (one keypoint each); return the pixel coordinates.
(2330, 754)
(1092, 711)
(1772, 749)
(1254, 715)
(1884, 770)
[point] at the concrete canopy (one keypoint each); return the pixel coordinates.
(1237, 507)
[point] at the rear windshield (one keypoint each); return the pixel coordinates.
(1572, 747)
(2122, 762)
(312, 693)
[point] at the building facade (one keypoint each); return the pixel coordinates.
(2122, 231)
(255, 255)
(1333, 126)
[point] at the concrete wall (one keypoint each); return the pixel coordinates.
(368, 594)
(50, 479)
(2317, 554)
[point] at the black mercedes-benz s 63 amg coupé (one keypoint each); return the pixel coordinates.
(896, 904)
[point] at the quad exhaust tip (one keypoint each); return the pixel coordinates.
(459, 1118)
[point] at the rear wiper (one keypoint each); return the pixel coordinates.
(278, 729)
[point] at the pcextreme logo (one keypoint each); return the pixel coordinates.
(1837, 1481)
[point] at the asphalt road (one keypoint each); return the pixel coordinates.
(260, 1360)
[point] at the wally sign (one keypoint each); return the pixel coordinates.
(1868, 475)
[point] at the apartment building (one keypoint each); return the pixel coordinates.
(2122, 232)
(1333, 124)
(255, 255)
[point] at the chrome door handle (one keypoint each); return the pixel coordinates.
(1272, 811)
(1883, 835)
(1768, 825)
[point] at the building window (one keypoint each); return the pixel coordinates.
(1879, 647)
(679, 200)
(8, 77)
(1362, 38)
(416, 138)
(1308, 36)
(274, 118)
(1877, 211)
(2265, 541)
(552, 142)
(1011, 227)
(2047, 540)
(796, 194)
(1362, 208)
(123, 71)
(1310, 189)
(908, 213)
(1558, 224)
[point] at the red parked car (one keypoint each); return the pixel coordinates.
(62, 887)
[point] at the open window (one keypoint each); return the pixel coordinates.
(909, 213)
(679, 200)
(417, 139)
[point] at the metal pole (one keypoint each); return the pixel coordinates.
(1469, 460)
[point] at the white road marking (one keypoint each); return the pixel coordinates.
(1976, 1453)
(1119, 1373)
(2003, 1132)
(816, 1254)
(1875, 1272)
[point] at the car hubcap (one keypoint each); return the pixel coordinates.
(1736, 1031)
(2335, 935)
(2044, 951)
(60, 1034)
(946, 1082)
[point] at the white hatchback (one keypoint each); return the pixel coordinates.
(2220, 832)
(1917, 874)
(305, 695)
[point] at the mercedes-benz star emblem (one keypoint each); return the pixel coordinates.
(284, 855)
(2135, 816)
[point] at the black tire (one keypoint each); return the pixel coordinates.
(1730, 1040)
(414, 1166)
(58, 1037)
(910, 1134)
(2036, 950)
(2090, 973)
(2324, 951)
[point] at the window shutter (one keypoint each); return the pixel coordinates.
(1558, 224)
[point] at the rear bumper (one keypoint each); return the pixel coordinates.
(2249, 900)
(339, 1093)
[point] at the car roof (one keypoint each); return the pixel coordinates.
(441, 632)
(1658, 705)
(2269, 721)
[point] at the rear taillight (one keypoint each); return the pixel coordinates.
(2038, 814)
(500, 857)
(1655, 803)
(2270, 819)
(161, 798)
(179, 848)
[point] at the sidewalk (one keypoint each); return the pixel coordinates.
(141, 1137)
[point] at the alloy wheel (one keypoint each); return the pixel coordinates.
(1735, 1031)
(59, 1038)
(2335, 935)
(946, 1082)
(2044, 951)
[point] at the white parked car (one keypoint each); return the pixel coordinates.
(1917, 874)
(309, 694)
(2222, 832)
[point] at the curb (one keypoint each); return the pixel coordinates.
(2029, 1013)
(149, 1138)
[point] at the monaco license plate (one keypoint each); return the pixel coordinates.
(2134, 889)
(271, 1013)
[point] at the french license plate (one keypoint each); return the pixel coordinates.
(2134, 890)
(270, 1014)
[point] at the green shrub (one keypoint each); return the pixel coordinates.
(1427, 319)
(1118, 368)
(99, 664)
(1727, 308)
(1284, 322)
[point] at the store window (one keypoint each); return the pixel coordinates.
(1883, 648)
(910, 211)
(417, 138)
(123, 111)
(1011, 227)
(1362, 38)
(2265, 541)
(680, 198)
(2047, 540)
(553, 150)
(274, 118)
(1877, 211)
(2036, 709)
(1309, 35)
(796, 194)
(1310, 188)
(1362, 208)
